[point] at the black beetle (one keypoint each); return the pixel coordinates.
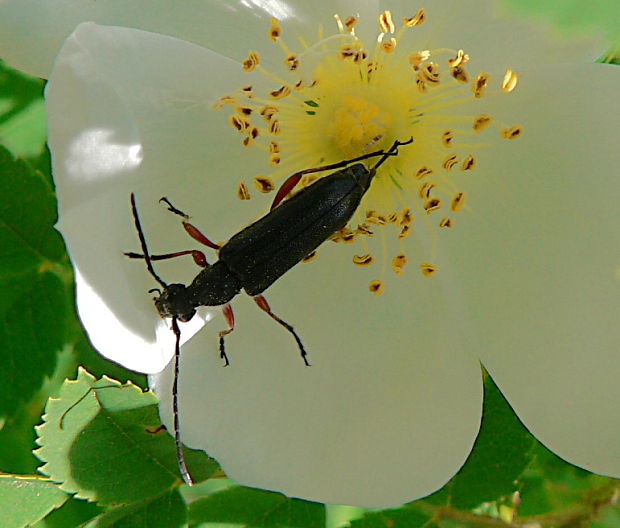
(261, 253)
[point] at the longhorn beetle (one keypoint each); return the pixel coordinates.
(259, 254)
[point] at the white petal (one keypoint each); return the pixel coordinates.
(538, 261)
(129, 112)
(32, 31)
(494, 38)
(387, 412)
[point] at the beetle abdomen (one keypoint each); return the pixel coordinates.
(265, 250)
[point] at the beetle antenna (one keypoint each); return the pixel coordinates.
(392, 152)
(147, 256)
(187, 478)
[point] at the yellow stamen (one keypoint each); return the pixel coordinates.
(512, 132)
(389, 45)
(310, 256)
(415, 20)
(242, 191)
(275, 30)
(468, 163)
(480, 84)
(460, 59)
(510, 81)
(481, 122)
(398, 263)
(264, 184)
(376, 286)
(363, 260)
(251, 62)
(281, 92)
(457, 201)
(385, 22)
(428, 269)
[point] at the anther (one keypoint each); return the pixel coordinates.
(242, 191)
(251, 62)
(460, 74)
(457, 201)
(268, 112)
(310, 256)
(350, 21)
(481, 122)
(238, 122)
(416, 59)
(445, 222)
(274, 128)
(274, 159)
(404, 232)
(364, 229)
(398, 263)
(385, 22)
(363, 260)
(430, 73)
(406, 217)
(264, 184)
(447, 137)
(274, 147)
(480, 84)
(376, 286)
(460, 59)
(510, 81)
(423, 172)
(432, 204)
(224, 100)
(512, 132)
(280, 93)
(415, 20)
(450, 162)
(275, 30)
(468, 163)
(292, 62)
(428, 269)
(424, 190)
(389, 45)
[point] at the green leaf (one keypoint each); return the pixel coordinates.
(499, 456)
(74, 512)
(103, 441)
(28, 241)
(399, 518)
(33, 315)
(22, 113)
(167, 511)
(33, 305)
(257, 508)
(26, 500)
(598, 17)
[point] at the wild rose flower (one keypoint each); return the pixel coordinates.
(519, 271)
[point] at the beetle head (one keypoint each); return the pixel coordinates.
(174, 301)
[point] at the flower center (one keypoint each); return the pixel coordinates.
(338, 100)
(357, 124)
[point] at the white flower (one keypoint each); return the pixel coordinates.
(391, 405)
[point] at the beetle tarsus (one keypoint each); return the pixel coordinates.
(173, 209)
(264, 305)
